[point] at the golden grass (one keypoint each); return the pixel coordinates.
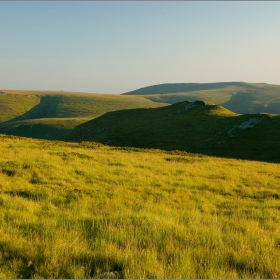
(80, 210)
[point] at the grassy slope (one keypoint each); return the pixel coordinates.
(143, 213)
(45, 128)
(16, 104)
(49, 115)
(209, 129)
(242, 98)
(184, 87)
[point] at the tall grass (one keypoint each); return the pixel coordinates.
(80, 210)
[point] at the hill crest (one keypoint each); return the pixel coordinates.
(196, 127)
(182, 87)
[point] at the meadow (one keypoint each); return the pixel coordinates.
(79, 210)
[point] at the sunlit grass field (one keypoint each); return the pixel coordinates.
(82, 210)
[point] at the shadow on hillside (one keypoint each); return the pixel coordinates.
(189, 127)
(264, 155)
(241, 103)
(248, 103)
(44, 109)
(47, 108)
(36, 130)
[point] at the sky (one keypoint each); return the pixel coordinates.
(119, 46)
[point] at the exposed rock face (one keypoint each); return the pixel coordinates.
(249, 123)
(234, 131)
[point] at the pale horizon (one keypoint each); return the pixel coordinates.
(118, 46)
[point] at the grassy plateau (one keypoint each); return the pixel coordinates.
(84, 210)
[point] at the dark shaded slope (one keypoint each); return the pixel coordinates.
(192, 127)
(262, 99)
(45, 109)
(48, 128)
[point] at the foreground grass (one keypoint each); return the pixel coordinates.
(78, 210)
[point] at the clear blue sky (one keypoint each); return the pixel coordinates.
(115, 47)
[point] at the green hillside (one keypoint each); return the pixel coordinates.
(86, 211)
(51, 114)
(14, 104)
(184, 87)
(239, 97)
(196, 127)
(46, 128)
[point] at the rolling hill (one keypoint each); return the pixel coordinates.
(195, 127)
(50, 114)
(145, 121)
(239, 97)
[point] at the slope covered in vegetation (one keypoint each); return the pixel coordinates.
(49, 115)
(85, 210)
(189, 126)
(239, 97)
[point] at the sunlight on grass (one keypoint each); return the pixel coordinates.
(73, 210)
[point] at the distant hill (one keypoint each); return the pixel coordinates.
(196, 127)
(182, 87)
(239, 97)
(50, 114)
